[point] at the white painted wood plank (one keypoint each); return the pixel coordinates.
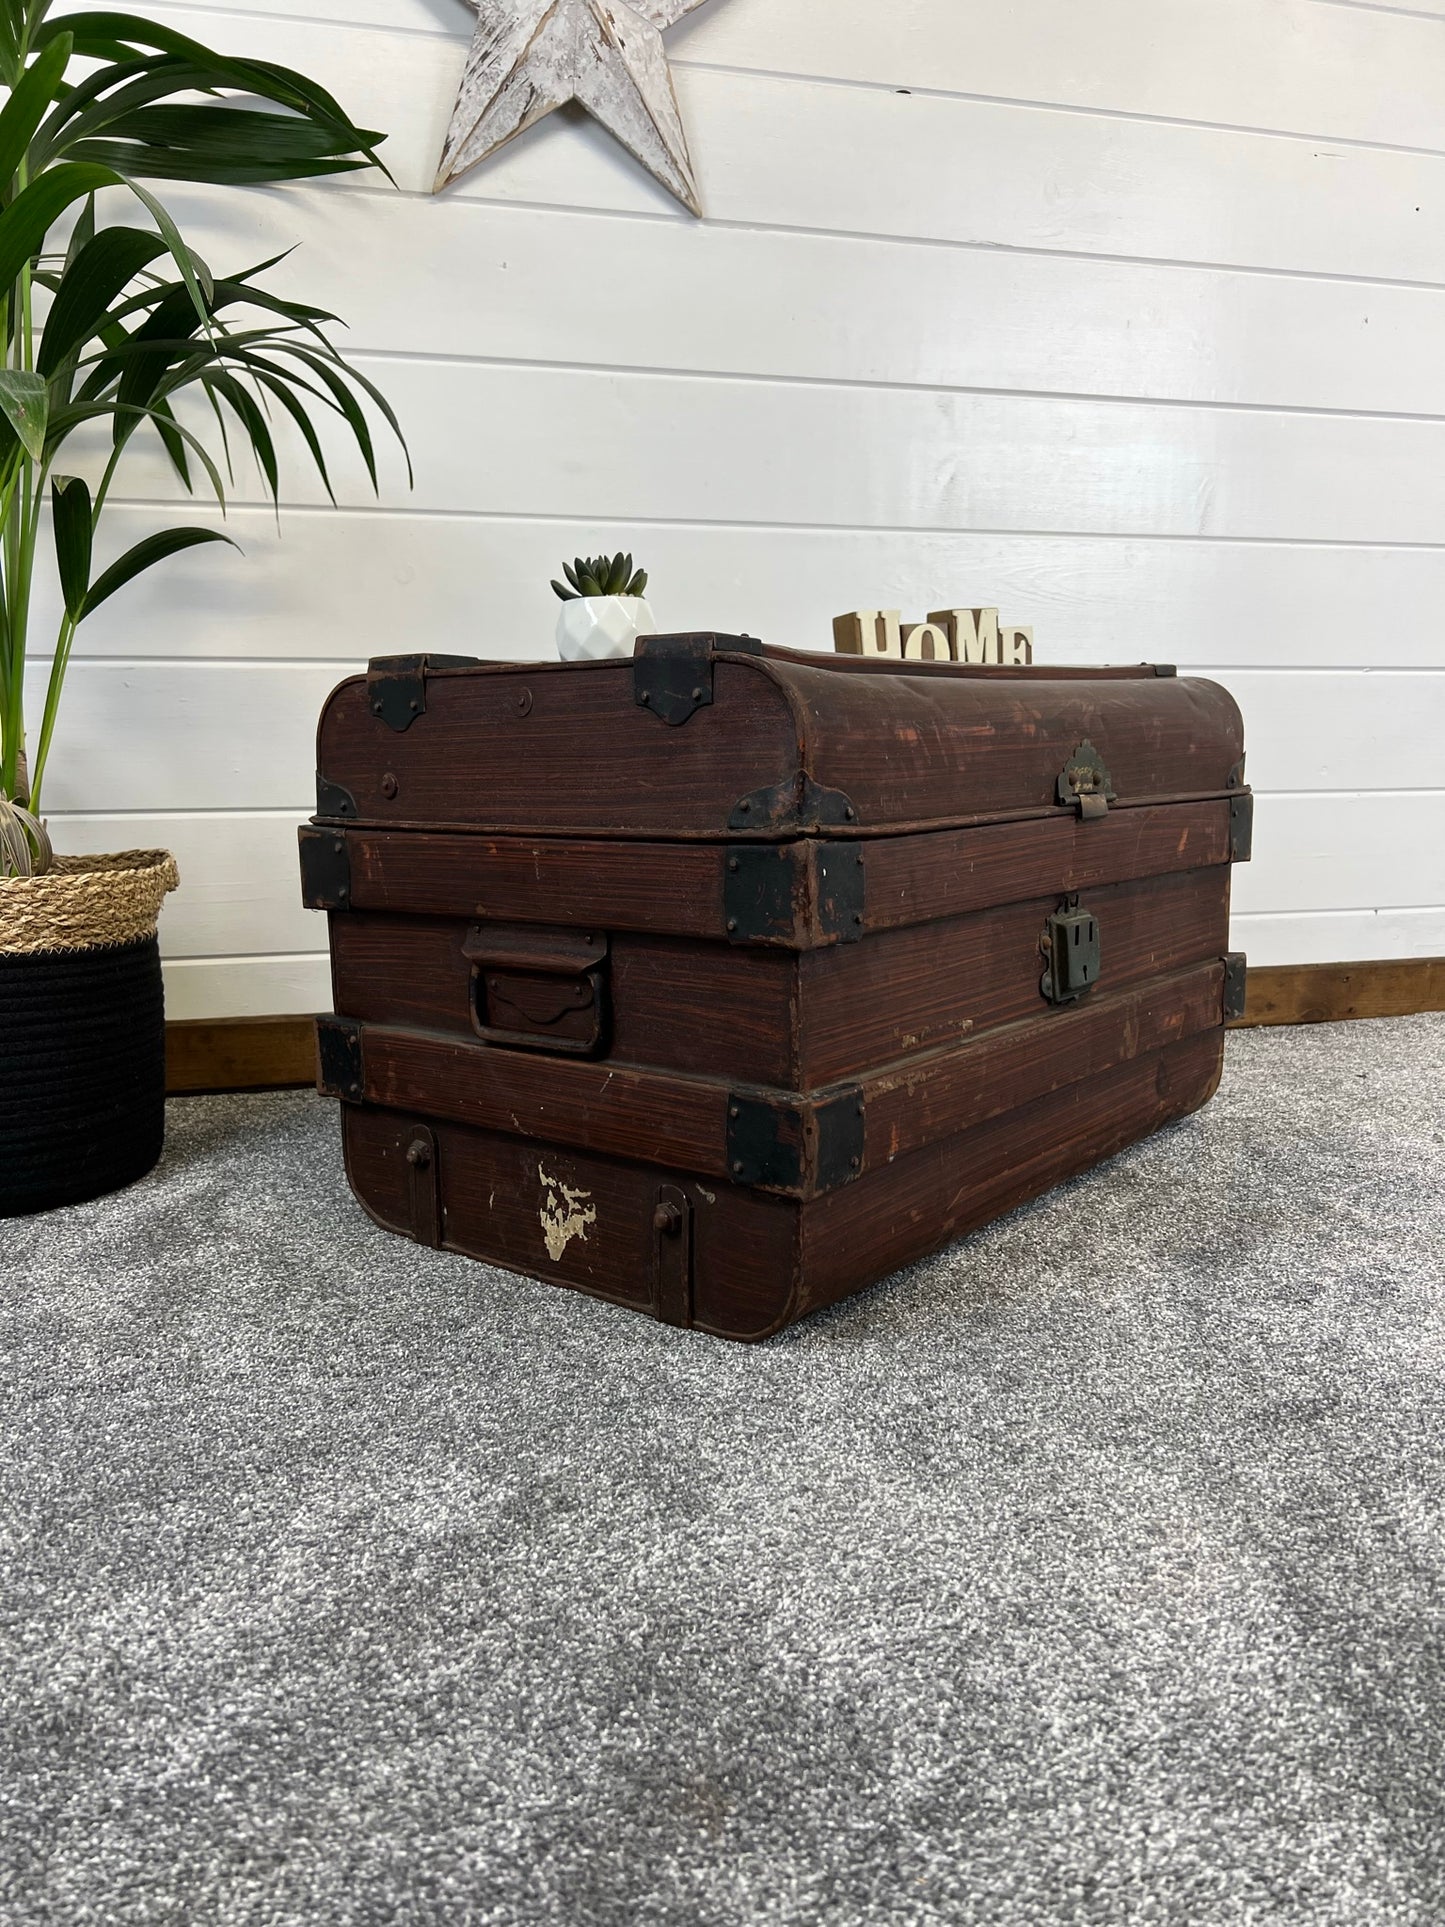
(242, 736)
(1380, 852)
(246, 986)
(218, 736)
(1435, 9)
(240, 894)
(1340, 731)
(240, 891)
(347, 586)
(1285, 65)
(1340, 936)
(628, 446)
(826, 307)
(774, 152)
(1289, 65)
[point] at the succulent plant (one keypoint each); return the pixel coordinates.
(600, 575)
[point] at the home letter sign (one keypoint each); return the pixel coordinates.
(949, 635)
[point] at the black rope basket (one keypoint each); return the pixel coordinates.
(82, 1073)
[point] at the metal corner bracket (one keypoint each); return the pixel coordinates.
(333, 799)
(797, 803)
(1236, 984)
(799, 1147)
(340, 1071)
(672, 676)
(396, 685)
(325, 869)
(1241, 827)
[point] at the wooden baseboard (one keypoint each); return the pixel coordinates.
(1335, 993)
(240, 1054)
(279, 1053)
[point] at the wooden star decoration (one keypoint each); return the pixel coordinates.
(531, 56)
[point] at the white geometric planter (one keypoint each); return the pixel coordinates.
(594, 627)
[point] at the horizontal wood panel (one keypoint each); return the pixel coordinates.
(211, 988)
(628, 445)
(1362, 852)
(240, 892)
(251, 1054)
(1341, 731)
(703, 1008)
(915, 990)
(777, 152)
(215, 987)
(242, 735)
(674, 889)
(347, 586)
(1338, 936)
(1433, 8)
(1314, 994)
(1288, 65)
(914, 878)
(948, 1091)
(232, 735)
(255, 1053)
(827, 307)
(626, 1113)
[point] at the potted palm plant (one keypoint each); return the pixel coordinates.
(113, 327)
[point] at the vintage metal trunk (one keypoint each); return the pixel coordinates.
(721, 981)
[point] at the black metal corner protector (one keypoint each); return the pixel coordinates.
(339, 1070)
(761, 898)
(396, 685)
(760, 893)
(334, 800)
(1241, 827)
(842, 1133)
(768, 1148)
(1236, 979)
(325, 869)
(798, 803)
(672, 676)
(840, 878)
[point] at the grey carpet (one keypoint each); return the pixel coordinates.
(1090, 1572)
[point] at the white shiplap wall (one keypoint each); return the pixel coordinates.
(1124, 314)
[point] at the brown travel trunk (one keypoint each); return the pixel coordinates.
(720, 982)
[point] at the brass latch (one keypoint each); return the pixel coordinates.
(1085, 784)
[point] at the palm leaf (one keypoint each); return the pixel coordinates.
(25, 404)
(71, 524)
(127, 332)
(144, 555)
(254, 422)
(26, 107)
(90, 283)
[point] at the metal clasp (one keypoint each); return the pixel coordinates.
(672, 1256)
(1085, 783)
(1071, 946)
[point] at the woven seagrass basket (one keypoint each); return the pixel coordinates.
(82, 1028)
